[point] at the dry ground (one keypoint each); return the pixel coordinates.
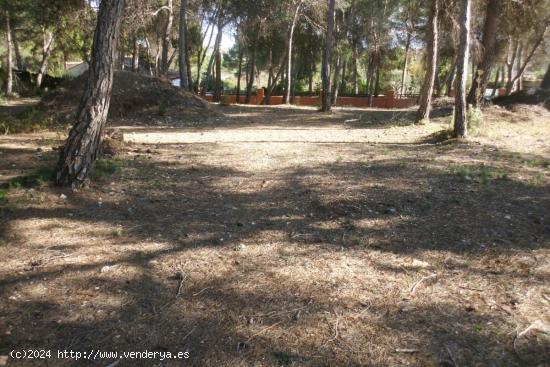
(280, 236)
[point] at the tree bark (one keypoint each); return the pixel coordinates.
(289, 52)
(217, 45)
(327, 58)
(405, 64)
(184, 75)
(545, 84)
(485, 64)
(17, 50)
(49, 39)
(166, 38)
(449, 81)
(460, 116)
(432, 49)
(252, 71)
(83, 144)
(336, 80)
(275, 79)
(135, 55)
(523, 63)
(218, 81)
(9, 65)
(495, 84)
(239, 75)
(355, 85)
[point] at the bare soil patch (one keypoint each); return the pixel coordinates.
(374, 250)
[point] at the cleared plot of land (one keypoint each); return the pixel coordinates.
(281, 236)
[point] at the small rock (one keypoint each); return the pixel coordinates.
(240, 247)
(63, 197)
(108, 268)
(509, 217)
(420, 264)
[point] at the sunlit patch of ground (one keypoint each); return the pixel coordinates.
(377, 249)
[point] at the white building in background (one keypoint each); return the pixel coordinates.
(75, 69)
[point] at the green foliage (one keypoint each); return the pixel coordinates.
(104, 168)
(162, 108)
(224, 101)
(38, 179)
(481, 174)
(475, 120)
(30, 120)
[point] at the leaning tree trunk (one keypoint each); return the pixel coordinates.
(460, 117)
(405, 65)
(218, 80)
(252, 72)
(49, 39)
(135, 54)
(83, 144)
(483, 71)
(449, 80)
(17, 50)
(289, 53)
(217, 45)
(166, 38)
(239, 75)
(327, 58)
(184, 81)
(545, 84)
(9, 66)
(428, 86)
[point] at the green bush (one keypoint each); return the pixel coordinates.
(28, 121)
(39, 178)
(105, 168)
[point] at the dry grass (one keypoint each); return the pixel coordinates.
(288, 252)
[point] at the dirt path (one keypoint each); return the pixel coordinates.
(281, 236)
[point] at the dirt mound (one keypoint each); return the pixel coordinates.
(134, 95)
(538, 97)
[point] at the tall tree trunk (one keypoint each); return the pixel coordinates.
(485, 64)
(336, 80)
(495, 84)
(289, 52)
(252, 71)
(431, 68)
(135, 55)
(218, 81)
(9, 65)
(49, 39)
(449, 81)
(166, 38)
(545, 84)
(522, 63)
(463, 51)
(519, 82)
(217, 45)
(83, 144)
(327, 58)
(405, 64)
(17, 50)
(310, 80)
(184, 75)
(355, 85)
(239, 75)
(275, 80)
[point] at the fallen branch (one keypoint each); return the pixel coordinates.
(427, 277)
(451, 356)
(407, 350)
